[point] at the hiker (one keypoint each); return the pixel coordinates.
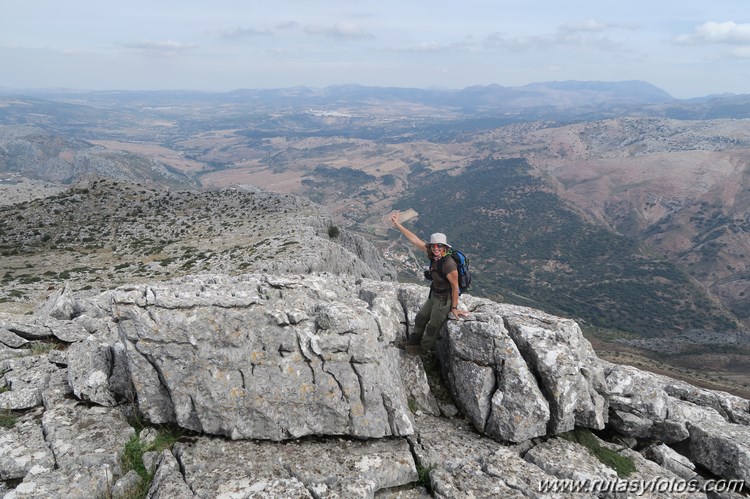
(442, 302)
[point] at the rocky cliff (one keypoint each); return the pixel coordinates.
(293, 385)
(268, 364)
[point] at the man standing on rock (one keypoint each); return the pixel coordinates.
(442, 302)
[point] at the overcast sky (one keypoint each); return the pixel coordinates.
(690, 48)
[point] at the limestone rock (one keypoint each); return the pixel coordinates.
(86, 436)
(168, 482)
(316, 252)
(60, 304)
(57, 390)
(732, 408)
(519, 373)
(370, 466)
(224, 358)
(416, 385)
(491, 381)
(150, 461)
(10, 353)
(22, 447)
(448, 443)
(671, 460)
(411, 298)
(648, 480)
(11, 339)
(127, 485)
(27, 377)
(369, 254)
(723, 448)
(266, 359)
(520, 475)
(566, 460)
(469, 480)
(67, 331)
(383, 302)
(25, 328)
(90, 363)
(563, 359)
(640, 406)
(58, 357)
(73, 483)
(120, 381)
(215, 466)
(269, 488)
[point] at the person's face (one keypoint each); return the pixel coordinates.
(437, 249)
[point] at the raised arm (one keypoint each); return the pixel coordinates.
(409, 234)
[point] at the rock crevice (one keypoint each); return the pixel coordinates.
(305, 393)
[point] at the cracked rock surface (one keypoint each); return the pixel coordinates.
(261, 357)
(295, 386)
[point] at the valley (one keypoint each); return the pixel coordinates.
(630, 219)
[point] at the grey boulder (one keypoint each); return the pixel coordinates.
(261, 357)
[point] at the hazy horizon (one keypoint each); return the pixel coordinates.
(693, 50)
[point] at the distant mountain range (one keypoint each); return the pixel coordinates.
(574, 99)
(608, 151)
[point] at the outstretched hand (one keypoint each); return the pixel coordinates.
(394, 218)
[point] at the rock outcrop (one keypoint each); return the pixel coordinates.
(521, 374)
(262, 357)
(294, 386)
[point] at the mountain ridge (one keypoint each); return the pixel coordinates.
(293, 385)
(473, 97)
(633, 170)
(100, 230)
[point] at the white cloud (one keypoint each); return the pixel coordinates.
(500, 40)
(593, 26)
(342, 30)
(585, 33)
(433, 46)
(237, 33)
(168, 48)
(288, 25)
(713, 32)
(587, 25)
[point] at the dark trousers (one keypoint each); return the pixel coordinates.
(429, 322)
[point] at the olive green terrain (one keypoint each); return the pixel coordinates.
(531, 248)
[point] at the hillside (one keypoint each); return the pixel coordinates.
(102, 233)
(652, 204)
(533, 249)
(271, 385)
(679, 187)
(35, 153)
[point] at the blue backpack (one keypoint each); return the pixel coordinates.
(462, 263)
